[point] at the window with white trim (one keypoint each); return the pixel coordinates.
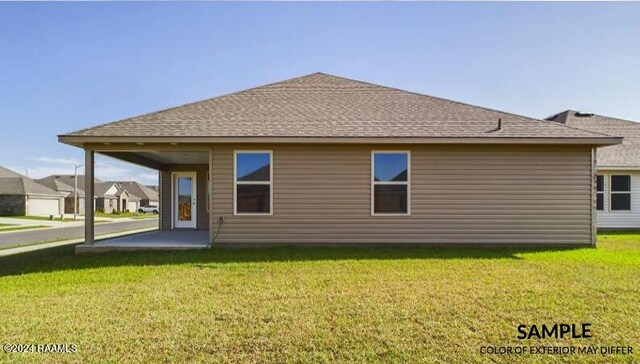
(390, 183)
(600, 192)
(620, 195)
(253, 182)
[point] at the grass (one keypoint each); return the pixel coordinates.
(318, 304)
(18, 228)
(41, 218)
(5, 225)
(133, 215)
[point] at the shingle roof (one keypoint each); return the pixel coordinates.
(321, 105)
(101, 188)
(626, 154)
(56, 184)
(68, 179)
(12, 183)
(138, 190)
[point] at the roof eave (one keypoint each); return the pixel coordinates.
(103, 142)
(616, 168)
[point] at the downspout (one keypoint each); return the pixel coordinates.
(594, 217)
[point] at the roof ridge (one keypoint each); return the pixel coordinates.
(277, 103)
(526, 118)
(193, 102)
(434, 97)
(570, 111)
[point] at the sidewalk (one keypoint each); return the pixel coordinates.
(39, 246)
(61, 224)
(29, 222)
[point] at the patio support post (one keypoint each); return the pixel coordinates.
(210, 199)
(89, 157)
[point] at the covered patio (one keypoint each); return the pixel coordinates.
(152, 240)
(183, 189)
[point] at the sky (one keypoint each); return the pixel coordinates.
(67, 66)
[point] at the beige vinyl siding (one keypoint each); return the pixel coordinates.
(460, 194)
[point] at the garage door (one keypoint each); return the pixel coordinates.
(41, 206)
(132, 206)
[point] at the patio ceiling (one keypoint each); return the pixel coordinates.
(160, 159)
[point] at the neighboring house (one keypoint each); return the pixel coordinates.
(618, 166)
(146, 195)
(126, 200)
(59, 183)
(354, 162)
(108, 197)
(20, 195)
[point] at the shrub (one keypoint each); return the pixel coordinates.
(100, 211)
(114, 212)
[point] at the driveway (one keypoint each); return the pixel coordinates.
(70, 232)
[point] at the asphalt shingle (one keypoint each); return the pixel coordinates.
(321, 105)
(12, 183)
(625, 155)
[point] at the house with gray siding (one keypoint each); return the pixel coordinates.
(20, 196)
(146, 195)
(71, 194)
(321, 159)
(618, 168)
(108, 196)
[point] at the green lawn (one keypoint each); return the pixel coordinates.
(133, 215)
(318, 304)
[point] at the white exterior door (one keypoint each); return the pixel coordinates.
(184, 200)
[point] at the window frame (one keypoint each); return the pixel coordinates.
(235, 182)
(603, 192)
(612, 192)
(396, 183)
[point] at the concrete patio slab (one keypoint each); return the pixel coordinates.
(42, 246)
(154, 240)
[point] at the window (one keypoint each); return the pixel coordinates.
(600, 192)
(253, 183)
(620, 193)
(390, 176)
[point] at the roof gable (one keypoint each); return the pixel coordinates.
(326, 106)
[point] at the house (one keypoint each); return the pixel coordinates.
(127, 201)
(60, 184)
(108, 196)
(618, 168)
(146, 195)
(20, 195)
(351, 162)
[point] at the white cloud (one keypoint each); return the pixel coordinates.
(106, 169)
(56, 160)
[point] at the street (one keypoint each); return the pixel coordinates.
(77, 231)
